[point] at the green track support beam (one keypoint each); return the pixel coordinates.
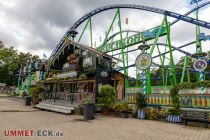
(188, 76)
(149, 88)
(198, 43)
(110, 27)
(121, 43)
(80, 37)
(161, 59)
(184, 69)
(156, 39)
(170, 49)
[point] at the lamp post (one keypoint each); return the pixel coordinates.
(142, 64)
(200, 65)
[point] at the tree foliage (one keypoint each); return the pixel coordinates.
(10, 62)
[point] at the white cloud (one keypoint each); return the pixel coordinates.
(37, 26)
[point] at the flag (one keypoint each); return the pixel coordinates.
(194, 1)
(126, 21)
(36, 65)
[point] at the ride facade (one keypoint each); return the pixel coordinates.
(118, 53)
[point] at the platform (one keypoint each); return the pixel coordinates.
(60, 107)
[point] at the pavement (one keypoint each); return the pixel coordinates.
(74, 128)
(14, 104)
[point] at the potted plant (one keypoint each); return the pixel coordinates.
(106, 98)
(174, 114)
(82, 76)
(35, 92)
(79, 110)
(141, 104)
(88, 108)
(121, 109)
(153, 114)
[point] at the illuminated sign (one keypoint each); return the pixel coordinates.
(133, 40)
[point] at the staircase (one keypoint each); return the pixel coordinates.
(56, 108)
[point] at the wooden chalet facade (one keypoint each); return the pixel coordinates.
(77, 72)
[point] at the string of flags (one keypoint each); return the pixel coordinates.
(112, 29)
(126, 21)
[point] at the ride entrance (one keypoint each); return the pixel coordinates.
(153, 71)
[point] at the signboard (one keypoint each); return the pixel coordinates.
(143, 61)
(200, 65)
(134, 39)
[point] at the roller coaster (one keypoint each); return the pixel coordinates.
(113, 47)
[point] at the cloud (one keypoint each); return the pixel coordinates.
(37, 26)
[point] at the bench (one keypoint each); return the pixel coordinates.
(195, 115)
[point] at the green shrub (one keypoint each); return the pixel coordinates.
(152, 114)
(79, 110)
(163, 112)
(88, 100)
(35, 91)
(107, 96)
(175, 101)
(141, 101)
(188, 85)
(82, 76)
(121, 106)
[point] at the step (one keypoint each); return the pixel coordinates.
(65, 111)
(61, 104)
(56, 108)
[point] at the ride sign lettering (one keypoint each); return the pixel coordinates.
(133, 40)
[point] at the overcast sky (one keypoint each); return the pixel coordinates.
(38, 25)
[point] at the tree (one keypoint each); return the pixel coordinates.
(10, 62)
(1, 45)
(23, 58)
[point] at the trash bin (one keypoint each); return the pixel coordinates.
(28, 100)
(89, 111)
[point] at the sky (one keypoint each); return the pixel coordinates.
(37, 26)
